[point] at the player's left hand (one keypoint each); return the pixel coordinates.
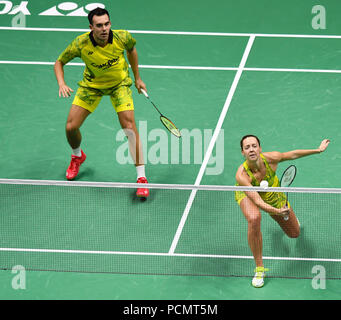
(324, 144)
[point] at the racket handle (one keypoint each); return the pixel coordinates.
(145, 93)
(286, 218)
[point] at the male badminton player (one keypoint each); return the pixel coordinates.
(106, 73)
(259, 167)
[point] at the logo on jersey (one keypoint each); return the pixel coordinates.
(106, 65)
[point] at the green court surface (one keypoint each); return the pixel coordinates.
(190, 56)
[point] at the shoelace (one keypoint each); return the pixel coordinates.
(142, 180)
(260, 272)
(74, 163)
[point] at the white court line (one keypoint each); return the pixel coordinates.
(145, 66)
(183, 33)
(293, 70)
(212, 143)
(230, 34)
(163, 254)
(39, 63)
(44, 29)
(141, 66)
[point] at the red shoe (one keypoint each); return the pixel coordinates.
(75, 163)
(142, 192)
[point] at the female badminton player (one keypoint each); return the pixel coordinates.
(259, 167)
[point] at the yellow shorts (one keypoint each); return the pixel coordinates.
(278, 200)
(120, 97)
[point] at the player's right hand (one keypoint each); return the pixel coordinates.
(284, 211)
(65, 91)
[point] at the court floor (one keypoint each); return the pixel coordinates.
(217, 68)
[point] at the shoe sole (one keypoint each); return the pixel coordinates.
(142, 197)
(258, 286)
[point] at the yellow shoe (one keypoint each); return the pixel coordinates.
(258, 279)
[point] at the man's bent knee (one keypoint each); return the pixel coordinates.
(127, 119)
(76, 117)
(71, 125)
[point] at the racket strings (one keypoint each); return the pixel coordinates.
(170, 126)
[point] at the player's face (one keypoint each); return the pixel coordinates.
(100, 27)
(251, 149)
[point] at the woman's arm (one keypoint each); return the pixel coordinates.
(243, 180)
(275, 157)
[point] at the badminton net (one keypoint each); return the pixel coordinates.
(179, 230)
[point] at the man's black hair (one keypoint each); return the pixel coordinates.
(97, 12)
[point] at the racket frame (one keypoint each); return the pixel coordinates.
(176, 132)
(286, 218)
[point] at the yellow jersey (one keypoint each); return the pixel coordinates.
(104, 67)
(275, 199)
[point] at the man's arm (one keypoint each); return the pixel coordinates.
(64, 90)
(72, 50)
(134, 63)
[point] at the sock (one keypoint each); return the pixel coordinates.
(77, 152)
(140, 171)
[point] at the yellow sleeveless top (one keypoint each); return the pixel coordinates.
(275, 199)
